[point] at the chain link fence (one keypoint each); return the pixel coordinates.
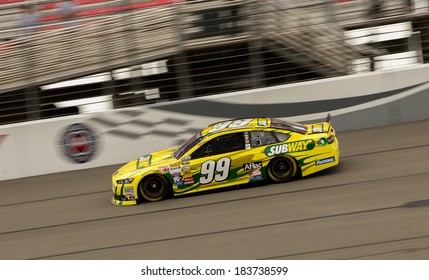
(115, 54)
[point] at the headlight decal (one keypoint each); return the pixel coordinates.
(125, 181)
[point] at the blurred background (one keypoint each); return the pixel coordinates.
(82, 56)
(365, 63)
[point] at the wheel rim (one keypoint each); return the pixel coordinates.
(282, 168)
(154, 187)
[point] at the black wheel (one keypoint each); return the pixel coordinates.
(282, 169)
(153, 188)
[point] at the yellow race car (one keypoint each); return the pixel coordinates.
(227, 153)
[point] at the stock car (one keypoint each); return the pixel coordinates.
(227, 153)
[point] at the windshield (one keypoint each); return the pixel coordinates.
(179, 152)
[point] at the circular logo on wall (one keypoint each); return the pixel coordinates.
(79, 143)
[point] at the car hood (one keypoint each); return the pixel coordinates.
(155, 158)
(145, 161)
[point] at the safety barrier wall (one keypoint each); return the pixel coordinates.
(87, 141)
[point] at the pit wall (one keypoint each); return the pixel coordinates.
(114, 137)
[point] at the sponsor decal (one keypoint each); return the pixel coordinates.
(246, 138)
(177, 181)
(116, 172)
(79, 143)
(256, 172)
(186, 168)
(187, 178)
(164, 169)
(325, 161)
(188, 181)
(247, 146)
(255, 175)
(252, 165)
(297, 146)
(129, 191)
(175, 168)
(185, 160)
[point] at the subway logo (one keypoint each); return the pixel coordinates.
(298, 146)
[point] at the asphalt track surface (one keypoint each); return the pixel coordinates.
(374, 205)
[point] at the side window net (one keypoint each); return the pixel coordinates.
(204, 151)
(229, 143)
(220, 145)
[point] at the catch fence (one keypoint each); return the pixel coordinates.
(126, 53)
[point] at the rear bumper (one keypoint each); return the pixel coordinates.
(323, 159)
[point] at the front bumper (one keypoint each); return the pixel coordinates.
(123, 202)
(120, 199)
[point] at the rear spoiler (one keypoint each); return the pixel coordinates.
(321, 127)
(328, 120)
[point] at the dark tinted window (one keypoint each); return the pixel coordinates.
(295, 127)
(220, 145)
(282, 136)
(262, 138)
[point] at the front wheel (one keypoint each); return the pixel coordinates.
(282, 169)
(153, 188)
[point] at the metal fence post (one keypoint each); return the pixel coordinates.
(32, 91)
(130, 41)
(180, 60)
(255, 17)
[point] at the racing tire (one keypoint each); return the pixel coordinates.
(153, 188)
(282, 169)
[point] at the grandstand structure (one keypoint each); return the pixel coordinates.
(134, 52)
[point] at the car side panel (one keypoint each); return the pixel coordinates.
(213, 172)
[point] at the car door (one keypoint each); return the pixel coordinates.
(219, 162)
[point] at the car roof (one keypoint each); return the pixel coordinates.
(253, 123)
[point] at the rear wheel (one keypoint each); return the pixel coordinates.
(282, 169)
(153, 188)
